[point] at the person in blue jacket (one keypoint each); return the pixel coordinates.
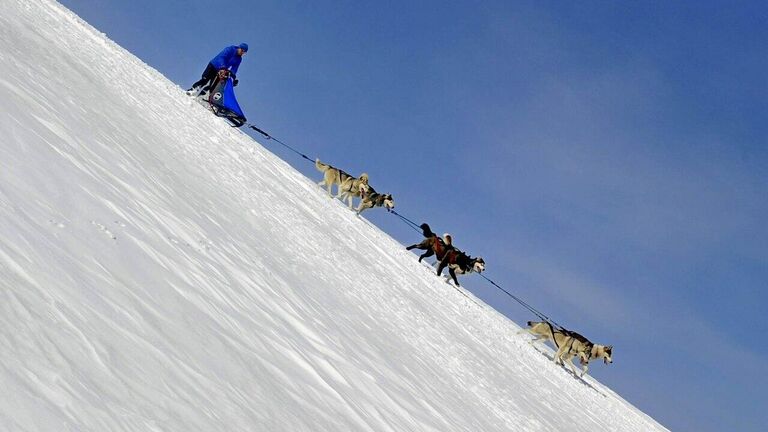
(227, 60)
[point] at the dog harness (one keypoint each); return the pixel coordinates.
(438, 246)
(552, 330)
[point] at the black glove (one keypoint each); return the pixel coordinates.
(234, 83)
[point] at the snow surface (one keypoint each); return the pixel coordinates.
(162, 271)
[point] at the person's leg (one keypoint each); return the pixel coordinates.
(208, 75)
(211, 83)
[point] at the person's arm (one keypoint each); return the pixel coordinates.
(235, 66)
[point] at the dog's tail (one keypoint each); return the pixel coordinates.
(321, 166)
(426, 230)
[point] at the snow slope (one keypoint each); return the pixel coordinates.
(162, 271)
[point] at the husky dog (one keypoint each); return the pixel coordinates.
(570, 344)
(370, 198)
(342, 180)
(459, 262)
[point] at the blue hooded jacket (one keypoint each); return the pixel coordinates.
(227, 59)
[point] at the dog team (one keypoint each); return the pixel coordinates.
(569, 344)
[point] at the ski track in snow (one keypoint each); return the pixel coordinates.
(156, 278)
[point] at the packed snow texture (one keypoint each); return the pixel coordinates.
(162, 271)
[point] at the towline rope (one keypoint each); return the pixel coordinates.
(269, 137)
(409, 222)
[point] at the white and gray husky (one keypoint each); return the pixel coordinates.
(570, 344)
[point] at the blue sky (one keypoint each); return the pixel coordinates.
(607, 159)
